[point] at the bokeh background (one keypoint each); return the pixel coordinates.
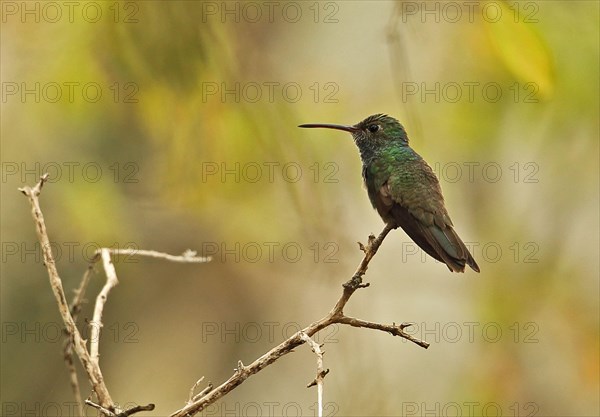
(172, 125)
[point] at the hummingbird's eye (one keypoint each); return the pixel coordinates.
(373, 128)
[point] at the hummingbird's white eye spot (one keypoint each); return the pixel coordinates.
(373, 128)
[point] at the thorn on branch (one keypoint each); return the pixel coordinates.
(193, 389)
(320, 375)
(188, 253)
(240, 368)
(35, 191)
(369, 247)
(205, 391)
(202, 393)
(362, 247)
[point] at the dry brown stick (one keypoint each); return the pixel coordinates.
(336, 315)
(91, 368)
(193, 396)
(125, 413)
(96, 323)
(75, 308)
(103, 410)
(393, 329)
(79, 296)
(189, 256)
(321, 372)
(68, 356)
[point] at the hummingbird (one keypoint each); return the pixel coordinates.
(404, 189)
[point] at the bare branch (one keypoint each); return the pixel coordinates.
(316, 348)
(193, 396)
(356, 281)
(124, 413)
(96, 323)
(240, 375)
(79, 297)
(189, 256)
(68, 356)
(336, 315)
(202, 393)
(193, 389)
(90, 367)
(393, 329)
(136, 409)
(105, 411)
(75, 308)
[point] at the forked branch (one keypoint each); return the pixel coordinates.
(69, 313)
(335, 316)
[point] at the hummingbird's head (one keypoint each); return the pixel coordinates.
(374, 132)
(380, 129)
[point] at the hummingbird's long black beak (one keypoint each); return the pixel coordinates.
(350, 129)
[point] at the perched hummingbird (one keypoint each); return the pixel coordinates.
(404, 189)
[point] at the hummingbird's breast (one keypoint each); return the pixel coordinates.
(377, 169)
(393, 176)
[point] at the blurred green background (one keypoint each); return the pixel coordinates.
(172, 125)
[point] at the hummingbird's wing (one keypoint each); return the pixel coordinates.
(412, 198)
